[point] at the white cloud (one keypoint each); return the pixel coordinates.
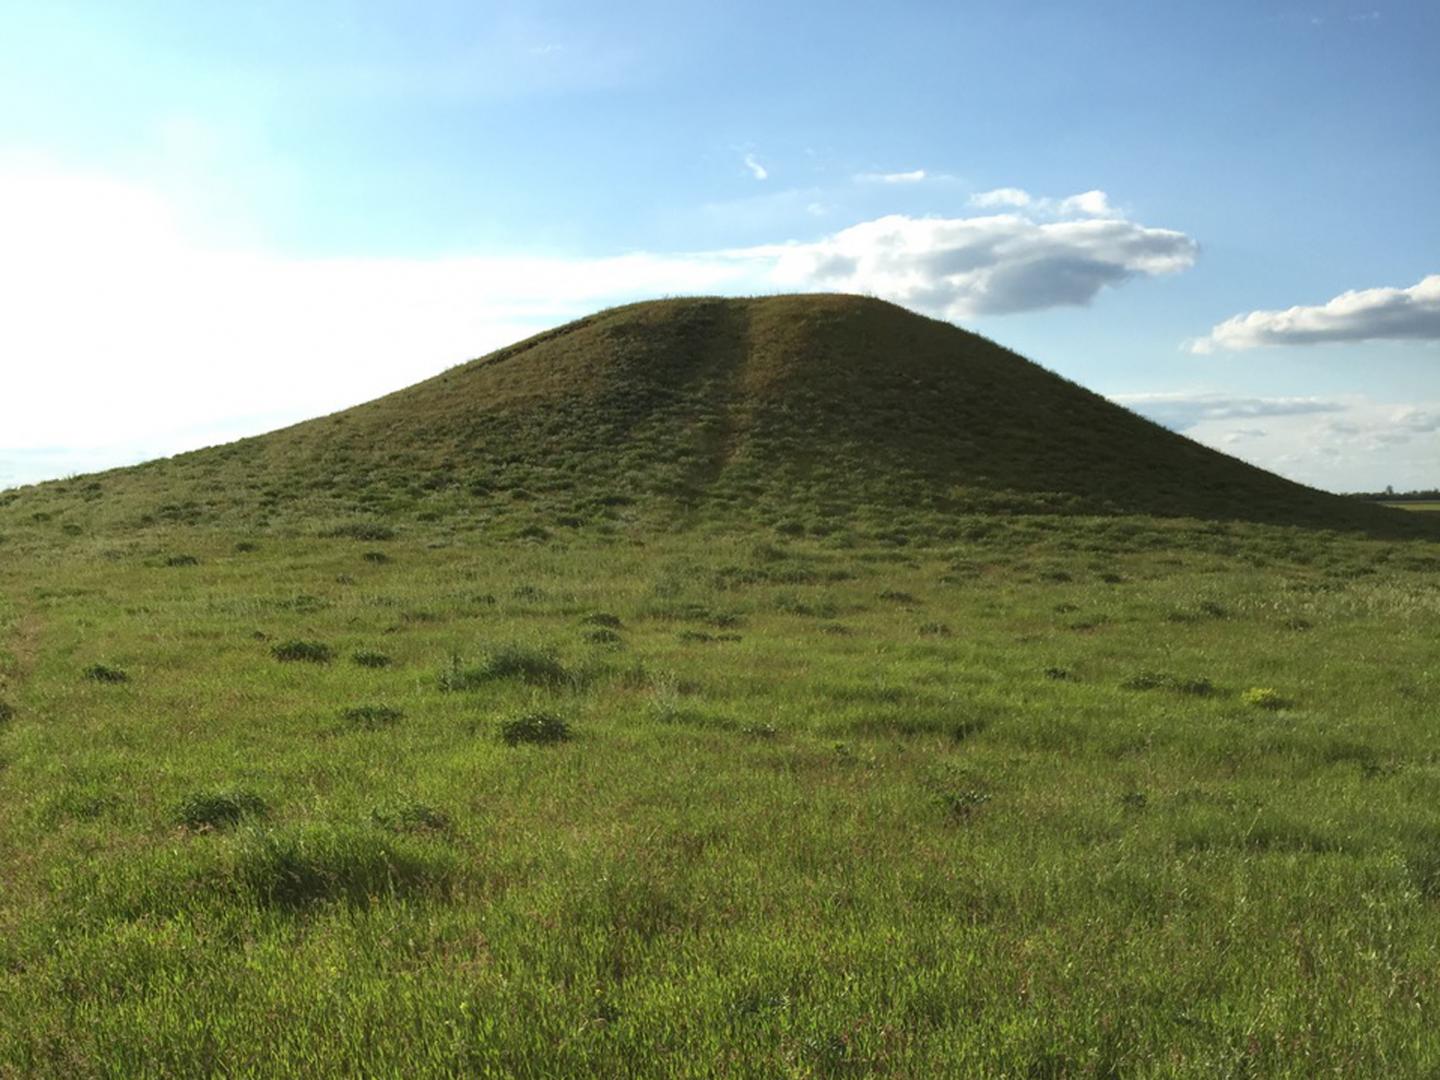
(1005, 196)
(962, 267)
(1411, 314)
(758, 171)
(1092, 203)
(915, 176)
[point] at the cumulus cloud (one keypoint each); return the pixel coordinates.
(758, 171)
(1184, 410)
(1092, 203)
(1005, 196)
(962, 267)
(912, 177)
(1411, 314)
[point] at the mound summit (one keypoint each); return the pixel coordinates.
(805, 413)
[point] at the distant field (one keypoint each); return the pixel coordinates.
(1413, 505)
(1062, 797)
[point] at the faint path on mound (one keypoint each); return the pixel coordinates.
(717, 439)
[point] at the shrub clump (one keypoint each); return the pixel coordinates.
(371, 659)
(602, 618)
(537, 728)
(182, 560)
(102, 673)
(371, 717)
(1264, 697)
(296, 867)
(308, 652)
(361, 530)
(528, 664)
(7, 712)
(375, 557)
(207, 810)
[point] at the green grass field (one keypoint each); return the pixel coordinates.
(1068, 797)
(780, 688)
(1413, 505)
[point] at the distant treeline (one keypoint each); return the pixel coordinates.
(1428, 495)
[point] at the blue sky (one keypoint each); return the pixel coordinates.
(217, 219)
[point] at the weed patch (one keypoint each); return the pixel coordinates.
(207, 810)
(1264, 697)
(304, 652)
(361, 530)
(411, 816)
(296, 867)
(102, 673)
(370, 717)
(524, 663)
(535, 728)
(1159, 680)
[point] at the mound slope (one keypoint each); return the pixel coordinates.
(796, 411)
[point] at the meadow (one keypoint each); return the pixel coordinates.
(1053, 796)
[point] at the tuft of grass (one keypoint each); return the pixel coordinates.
(182, 560)
(1154, 680)
(7, 712)
(222, 809)
(1264, 697)
(362, 530)
(105, 674)
(306, 652)
(370, 717)
(524, 663)
(369, 659)
(411, 816)
(535, 728)
(299, 867)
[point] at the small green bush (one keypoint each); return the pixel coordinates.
(205, 810)
(182, 560)
(371, 659)
(7, 712)
(309, 652)
(378, 557)
(603, 619)
(538, 728)
(1263, 697)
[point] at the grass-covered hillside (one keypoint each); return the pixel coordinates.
(812, 414)
(718, 689)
